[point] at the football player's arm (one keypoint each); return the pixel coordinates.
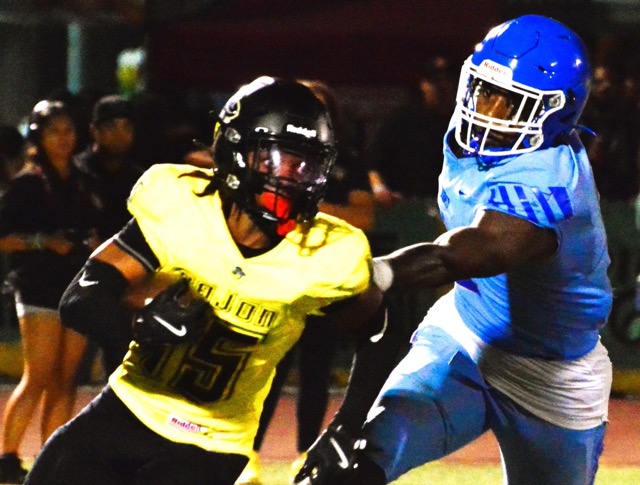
(378, 341)
(161, 309)
(494, 243)
(93, 304)
(378, 347)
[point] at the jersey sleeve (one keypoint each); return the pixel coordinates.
(155, 192)
(131, 240)
(342, 265)
(159, 201)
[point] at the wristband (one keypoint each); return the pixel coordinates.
(382, 274)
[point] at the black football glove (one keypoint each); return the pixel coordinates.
(330, 459)
(176, 315)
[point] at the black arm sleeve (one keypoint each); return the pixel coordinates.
(131, 240)
(93, 304)
(375, 358)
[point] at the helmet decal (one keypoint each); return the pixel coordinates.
(493, 70)
(230, 111)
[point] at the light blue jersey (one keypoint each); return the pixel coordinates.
(552, 309)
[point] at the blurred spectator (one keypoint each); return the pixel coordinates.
(613, 152)
(108, 174)
(349, 197)
(79, 108)
(166, 128)
(11, 155)
(348, 194)
(406, 152)
(11, 162)
(45, 224)
(107, 166)
(612, 113)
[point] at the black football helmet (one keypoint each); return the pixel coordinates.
(273, 147)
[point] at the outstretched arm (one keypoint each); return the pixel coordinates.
(378, 346)
(493, 244)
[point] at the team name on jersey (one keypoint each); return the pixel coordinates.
(241, 314)
(550, 204)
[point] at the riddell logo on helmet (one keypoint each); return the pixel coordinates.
(495, 70)
(299, 130)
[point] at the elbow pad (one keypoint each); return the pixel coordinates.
(93, 304)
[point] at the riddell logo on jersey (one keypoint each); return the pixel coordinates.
(299, 130)
(495, 70)
(184, 425)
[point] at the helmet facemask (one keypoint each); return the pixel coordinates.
(286, 180)
(522, 129)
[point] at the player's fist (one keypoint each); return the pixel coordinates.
(177, 314)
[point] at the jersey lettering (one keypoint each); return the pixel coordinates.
(535, 204)
(245, 316)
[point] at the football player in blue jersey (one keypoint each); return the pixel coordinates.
(514, 348)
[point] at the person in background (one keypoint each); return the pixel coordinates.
(406, 150)
(46, 222)
(515, 346)
(405, 157)
(251, 257)
(108, 171)
(348, 196)
(12, 156)
(12, 159)
(107, 165)
(614, 152)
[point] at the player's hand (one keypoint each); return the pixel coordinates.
(176, 315)
(330, 459)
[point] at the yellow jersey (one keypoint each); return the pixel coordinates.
(210, 393)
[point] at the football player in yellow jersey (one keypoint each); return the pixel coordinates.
(245, 237)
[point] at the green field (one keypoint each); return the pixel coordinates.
(453, 474)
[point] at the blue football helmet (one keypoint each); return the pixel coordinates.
(542, 67)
